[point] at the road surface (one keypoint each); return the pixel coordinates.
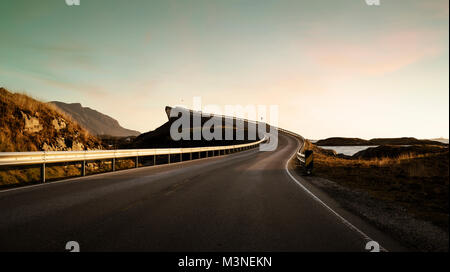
(240, 202)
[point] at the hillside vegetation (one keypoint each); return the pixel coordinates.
(414, 179)
(30, 125)
(27, 124)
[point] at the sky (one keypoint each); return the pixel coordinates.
(334, 68)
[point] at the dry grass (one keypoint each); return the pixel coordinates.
(384, 161)
(14, 137)
(26, 102)
(418, 182)
(19, 176)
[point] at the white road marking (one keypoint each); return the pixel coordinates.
(347, 223)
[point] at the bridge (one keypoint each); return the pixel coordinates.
(234, 198)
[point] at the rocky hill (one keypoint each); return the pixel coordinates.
(395, 151)
(95, 122)
(341, 141)
(30, 125)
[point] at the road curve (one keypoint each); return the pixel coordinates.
(239, 202)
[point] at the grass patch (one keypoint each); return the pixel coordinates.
(418, 182)
(27, 175)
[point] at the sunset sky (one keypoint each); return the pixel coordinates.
(334, 68)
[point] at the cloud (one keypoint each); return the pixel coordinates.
(438, 7)
(89, 90)
(375, 55)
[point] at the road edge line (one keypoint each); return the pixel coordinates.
(343, 220)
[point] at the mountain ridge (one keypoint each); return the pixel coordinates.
(27, 124)
(94, 121)
(342, 141)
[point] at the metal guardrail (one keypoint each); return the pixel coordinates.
(301, 151)
(305, 157)
(47, 157)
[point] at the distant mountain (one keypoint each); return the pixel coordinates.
(96, 122)
(341, 141)
(30, 125)
(441, 139)
(403, 141)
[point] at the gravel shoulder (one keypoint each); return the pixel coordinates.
(418, 235)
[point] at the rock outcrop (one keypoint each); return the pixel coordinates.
(30, 125)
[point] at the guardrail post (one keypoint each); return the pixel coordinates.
(18, 159)
(43, 172)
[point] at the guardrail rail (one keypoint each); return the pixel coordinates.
(305, 157)
(48, 157)
(301, 151)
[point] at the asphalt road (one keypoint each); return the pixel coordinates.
(240, 202)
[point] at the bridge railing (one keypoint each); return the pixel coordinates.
(305, 157)
(301, 151)
(47, 157)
